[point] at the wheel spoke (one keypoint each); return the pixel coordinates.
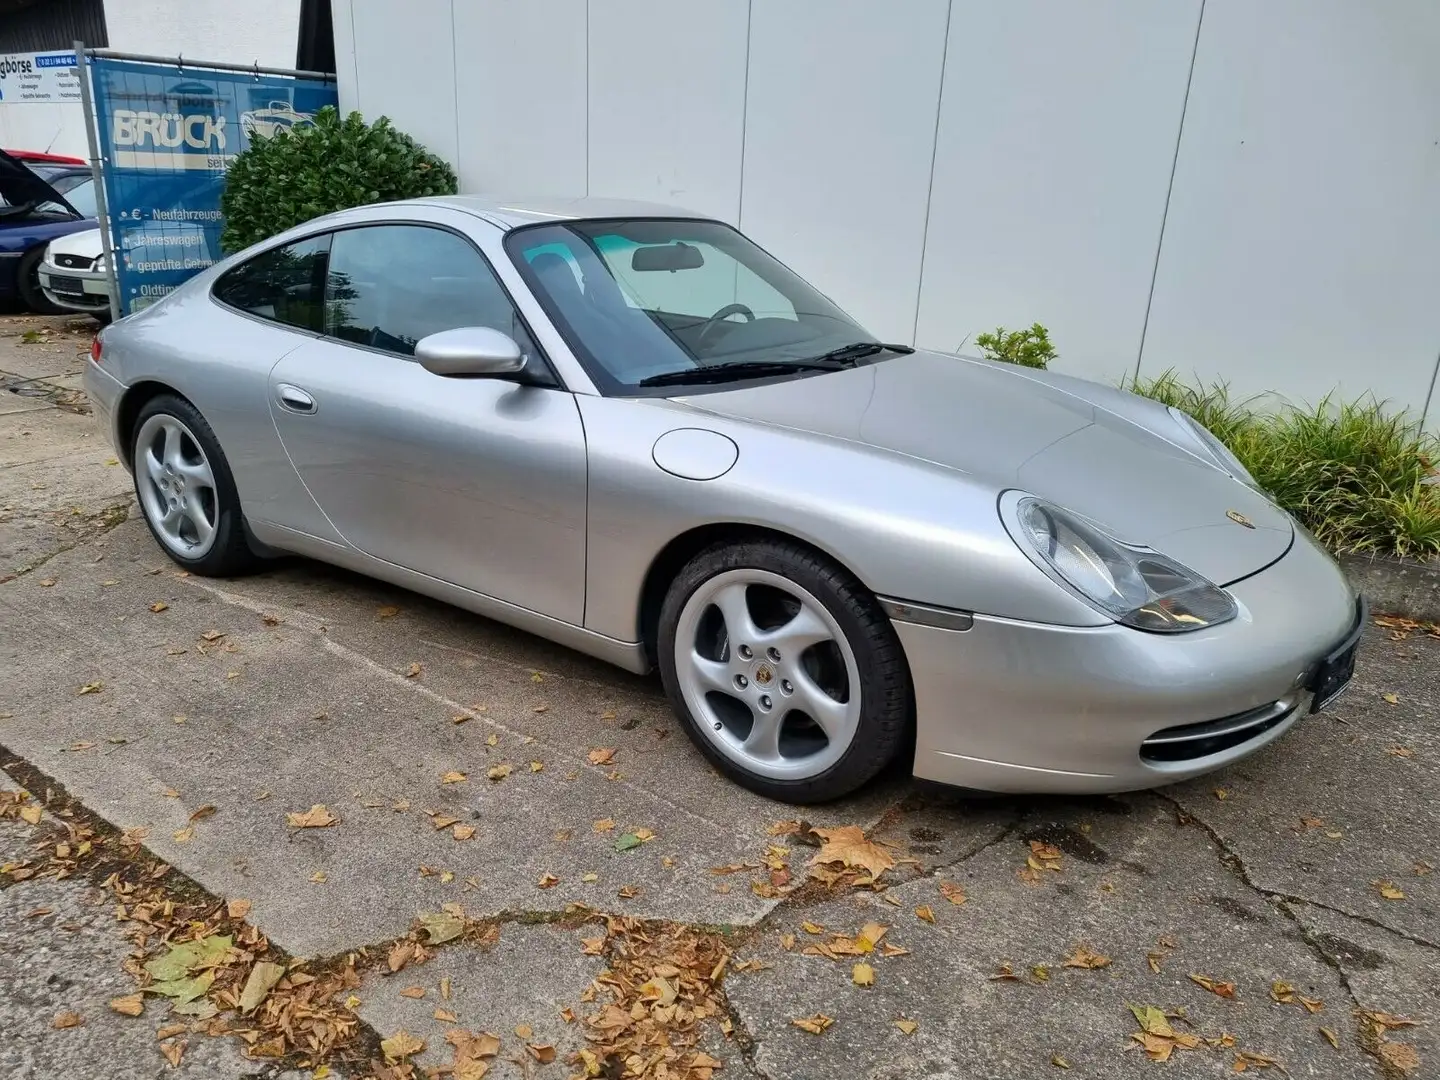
(739, 626)
(711, 673)
(170, 523)
(171, 454)
(764, 739)
(197, 474)
(797, 635)
(196, 515)
(153, 467)
(814, 702)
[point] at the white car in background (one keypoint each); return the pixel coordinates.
(73, 274)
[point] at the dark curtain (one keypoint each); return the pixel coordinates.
(317, 37)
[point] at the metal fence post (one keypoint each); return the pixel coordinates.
(87, 102)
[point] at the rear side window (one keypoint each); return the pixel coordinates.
(391, 285)
(285, 285)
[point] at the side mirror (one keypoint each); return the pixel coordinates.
(470, 350)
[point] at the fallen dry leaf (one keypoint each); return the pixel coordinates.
(319, 877)
(907, 1027)
(92, 688)
(445, 1016)
(463, 832)
(185, 835)
(173, 1052)
(1215, 986)
(400, 1046)
(212, 635)
(1391, 699)
(537, 766)
(848, 847)
(1248, 1059)
(862, 974)
(67, 1020)
(499, 772)
(237, 909)
(262, 979)
(414, 670)
(1085, 957)
(1398, 1057)
(31, 814)
(628, 892)
(317, 817)
(541, 1052)
(924, 913)
(413, 992)
(202, 813)
(1331, 1037)
(1400, 751)
(129, 1005)
(159, 606)
(387, 611)
(604, 825)
(454, 776)
(547, 881)
(953, 891)
(814, 1024)
(1388, 889)
(601, 755)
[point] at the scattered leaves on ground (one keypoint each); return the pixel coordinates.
(814, 1024)
(1084, 957)
(846, 855)
(1042, 857)
(1215, 986)
(129, 1004)
(317, 817)
(1157, 1037)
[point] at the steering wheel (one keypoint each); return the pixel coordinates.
(721, 315)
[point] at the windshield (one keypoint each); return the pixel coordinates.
(645, 297)
(81, 197)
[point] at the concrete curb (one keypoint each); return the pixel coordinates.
(1408, 587)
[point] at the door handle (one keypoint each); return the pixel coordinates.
(294, 399)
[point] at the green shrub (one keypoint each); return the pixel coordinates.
(1353, 474)
(280, 182)
(1028, 348)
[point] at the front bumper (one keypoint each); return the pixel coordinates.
(1008, 706)
(76, 290)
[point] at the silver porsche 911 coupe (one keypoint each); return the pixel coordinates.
(630, 430)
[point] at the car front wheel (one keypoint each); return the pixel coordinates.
(784, 670)
(186, 490)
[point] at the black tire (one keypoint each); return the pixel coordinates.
(886, 712)
(230, 554)
(27, 280)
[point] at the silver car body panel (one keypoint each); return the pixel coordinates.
(547, 508)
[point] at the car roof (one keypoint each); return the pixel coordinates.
(512, 213)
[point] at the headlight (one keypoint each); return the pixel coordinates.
(1136, 586)
(100, 266)
(1219, 454)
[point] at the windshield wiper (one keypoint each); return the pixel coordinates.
(860, 349)
(742, 369)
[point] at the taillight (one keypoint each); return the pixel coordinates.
(95, 349)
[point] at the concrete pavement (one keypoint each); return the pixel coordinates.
(306, 686)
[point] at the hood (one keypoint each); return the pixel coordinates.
(21, 187)
(85, 244)
(993, 423)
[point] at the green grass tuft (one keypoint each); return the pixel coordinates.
(1352, 473)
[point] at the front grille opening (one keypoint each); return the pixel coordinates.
(1188, 742)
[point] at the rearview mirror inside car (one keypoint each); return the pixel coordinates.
(676, 256)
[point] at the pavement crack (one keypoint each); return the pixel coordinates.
(985, 845)
(1232, 862)
(100, 523)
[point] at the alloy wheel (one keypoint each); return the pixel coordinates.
(768, 674)
(176, 486)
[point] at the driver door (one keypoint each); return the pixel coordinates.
(477, 482)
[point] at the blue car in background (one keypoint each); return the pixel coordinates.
(38, 203)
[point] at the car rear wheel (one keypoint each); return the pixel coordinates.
(186, 491)
(27, 280)
(784, 670)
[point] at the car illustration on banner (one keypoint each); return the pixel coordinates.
(269, 122)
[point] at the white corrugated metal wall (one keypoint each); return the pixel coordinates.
(1235, 190)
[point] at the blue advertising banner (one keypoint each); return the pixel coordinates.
(167, 135)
